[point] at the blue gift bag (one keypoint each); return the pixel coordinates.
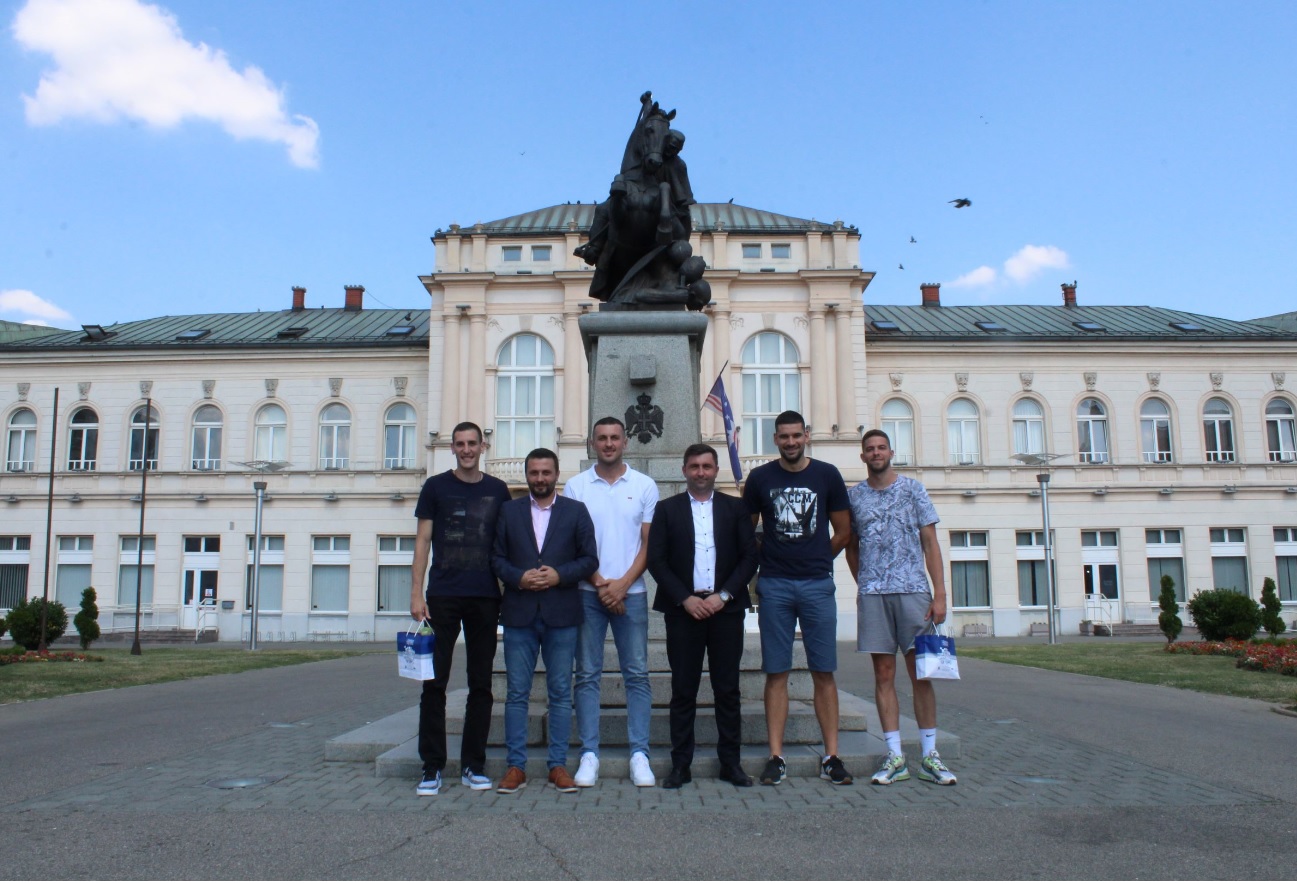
(934, 655)
(414, 655)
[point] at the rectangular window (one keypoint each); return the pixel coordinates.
(270, 590)
(15, 563)
(72, 569)
(1164, 549)
(135, 569)
(780, 251)
(751, 249)
(540, 252)
(395, 558)
(970, 574)
(330, 573)
(511, 253)
(1033, 586)
(1229, 559)
(1285, 550)
(202, 544)
(1095, 538)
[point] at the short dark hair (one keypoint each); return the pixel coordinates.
(609, 421)
(540, 454)
(698, 450)
(466, 426)
(874, 433)
(789, 417)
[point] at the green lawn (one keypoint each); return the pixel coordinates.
(1145, 663)
(41, 680)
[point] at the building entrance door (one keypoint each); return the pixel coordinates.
(1102, 593)
(199, 595)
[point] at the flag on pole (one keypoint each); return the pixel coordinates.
(720, 403)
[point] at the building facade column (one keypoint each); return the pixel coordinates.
(476, 362)
(845, 362)
(450, 382)
(573, 385)
(820, 377)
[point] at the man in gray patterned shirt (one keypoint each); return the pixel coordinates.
(894, 537)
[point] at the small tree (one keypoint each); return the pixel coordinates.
(25, 622)
(87, 620)
(4, 626)
(1271, 620)
(1168, 620)
(1224, 613)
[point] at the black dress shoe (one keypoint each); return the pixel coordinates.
(678, 776)
(735, 776)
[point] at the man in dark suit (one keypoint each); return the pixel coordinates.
(702, 551)
(544, 545)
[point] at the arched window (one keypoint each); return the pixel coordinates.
(335, 437)
(398, 437)
(206, 449)
(1218, 431)
(144, 440)
(898, 423)
(1028, 427)
(1155, 431)
(83, 440)
(524, 396)
(1092, 432)
(772, 384)
(962, 433)
(22, 441)
(1279, 431)
(270, 435)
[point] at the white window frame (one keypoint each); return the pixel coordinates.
(964, 433)
(16, 551)
(272, 555)
(542, 254)
(1232, 545)
(270, 437)
(73, 551)
(330, 551)
(1159, 546)
(1028, 426)
(1285, 547)
(129, 555)
(1157, 443)
(900, 429)
(1219, 442)
(750, 251)
(397, 553)
(205, 443)
(1087, 424)
(83, 441)
(970, 546)
(785, 247)
(770, 387)
(1033, 550)
(335, 437)
(21, 448)
(145, 430)
(511, 253)
(1281, 431)
(524, 397)
(399, 437)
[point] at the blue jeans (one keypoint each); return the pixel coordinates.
(558, 647)
(630, 634)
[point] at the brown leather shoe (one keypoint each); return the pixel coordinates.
(514, 779)
(559, 778)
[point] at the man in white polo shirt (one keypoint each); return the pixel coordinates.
(621, 503)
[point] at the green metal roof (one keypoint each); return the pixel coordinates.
(1034, 321)
(707, 216)
(332, 327)
(10, 331)
(1282, 321)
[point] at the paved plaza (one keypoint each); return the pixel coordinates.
(1060, 776)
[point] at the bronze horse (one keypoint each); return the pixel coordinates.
(639, 240)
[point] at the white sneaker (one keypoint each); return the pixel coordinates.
(640, 771)
(588, 772)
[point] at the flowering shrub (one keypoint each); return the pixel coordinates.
(33, 656)
(1276, 656)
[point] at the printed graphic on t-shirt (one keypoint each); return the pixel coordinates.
(464, 534)
(795, 511)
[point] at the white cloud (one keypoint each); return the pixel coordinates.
(127, 60)
(975, 278)
(18, 300)
(41, 322)
(1032, 260)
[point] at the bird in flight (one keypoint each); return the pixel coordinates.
(900, 266)
(961, 203)
(912, 239)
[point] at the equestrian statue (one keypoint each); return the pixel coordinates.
(639, 239)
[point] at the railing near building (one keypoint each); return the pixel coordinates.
(511, 470)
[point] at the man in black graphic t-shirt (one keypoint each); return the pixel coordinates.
(457, 512)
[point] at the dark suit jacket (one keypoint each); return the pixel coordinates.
(671, 551)
(569, 548)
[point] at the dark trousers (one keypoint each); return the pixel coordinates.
(479, 617)
(720, 638)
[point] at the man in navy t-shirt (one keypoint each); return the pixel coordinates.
(798, 501)
(457, 513)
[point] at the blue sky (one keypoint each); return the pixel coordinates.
(197, 156)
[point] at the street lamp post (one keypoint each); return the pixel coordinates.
(1043, 461)
(260, 487)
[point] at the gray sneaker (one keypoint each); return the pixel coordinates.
(931, 769)
(894, 769)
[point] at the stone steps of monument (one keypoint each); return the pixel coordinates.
(612, 692)
(657, 656)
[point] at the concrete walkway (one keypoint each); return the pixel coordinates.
(1061, 776)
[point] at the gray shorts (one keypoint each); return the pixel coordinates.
(887, 623)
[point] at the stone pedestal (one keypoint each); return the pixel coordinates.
(644, 370)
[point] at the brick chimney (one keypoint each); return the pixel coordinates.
(931, 294)
(1069, 294)
(299, 298)
(355, 301)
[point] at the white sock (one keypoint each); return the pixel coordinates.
(928, 741)
(893, 742)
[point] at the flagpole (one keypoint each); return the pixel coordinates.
(719, 375)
